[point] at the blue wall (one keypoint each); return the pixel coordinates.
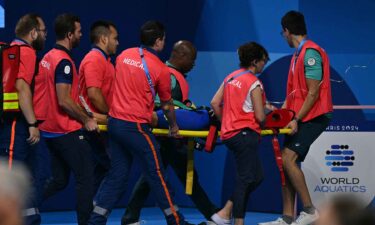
(217, 28)
(2, 16)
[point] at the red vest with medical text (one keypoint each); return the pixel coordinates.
(182, 81)
(297, 88)
(234, 118)
(57, 120)
(132, 98)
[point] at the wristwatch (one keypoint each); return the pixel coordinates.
(35, 124)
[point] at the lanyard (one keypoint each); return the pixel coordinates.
(296, 54)
(148, 76)
(238, 75)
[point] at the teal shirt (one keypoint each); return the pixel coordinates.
(173, 82)
(313, 64)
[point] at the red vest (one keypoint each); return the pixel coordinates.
(182, 81)
(57, 120)
(297, 89)
(234, 117)
(40, 89)
(132, 98)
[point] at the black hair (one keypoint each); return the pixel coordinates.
(99, 28)
(65, 24)
(295, 23)
(151, 31)
(251, 51)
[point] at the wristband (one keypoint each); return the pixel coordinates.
(35, 124)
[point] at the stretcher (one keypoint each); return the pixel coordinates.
(197, 133)
(276, 120)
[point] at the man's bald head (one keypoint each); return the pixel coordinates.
(183, 47)
(183, 55)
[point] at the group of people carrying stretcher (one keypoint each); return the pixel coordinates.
(67, 105)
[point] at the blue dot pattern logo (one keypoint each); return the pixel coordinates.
(340, 158)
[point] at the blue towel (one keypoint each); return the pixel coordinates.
(186, 119)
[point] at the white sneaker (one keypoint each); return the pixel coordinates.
(138, 223)
(210, 223)
(220, 221)
(306, 219)
(279, 221)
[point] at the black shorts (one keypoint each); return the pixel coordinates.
(307, 133)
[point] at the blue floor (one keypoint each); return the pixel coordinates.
(150, 216)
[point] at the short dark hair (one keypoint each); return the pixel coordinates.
(99, 28)
(295, 23)
(26, 23)
(150, 32)
(249, 52)
(64, 24)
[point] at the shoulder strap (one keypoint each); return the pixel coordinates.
(237, 75)
(147, 72)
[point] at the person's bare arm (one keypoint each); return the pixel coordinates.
(26, 104)
(257, 100)
(63, 91)
(216, 102)
(312, 96)
(168, 109)
(97, 99)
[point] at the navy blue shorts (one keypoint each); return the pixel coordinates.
(307, 133)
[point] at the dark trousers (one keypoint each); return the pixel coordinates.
(249, 173)
(173, 153)
(29, 155)
(128, 140)
(72, 153)
(99, 144)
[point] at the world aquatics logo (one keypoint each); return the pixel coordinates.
(339, 158)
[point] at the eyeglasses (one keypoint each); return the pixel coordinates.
(42, 30)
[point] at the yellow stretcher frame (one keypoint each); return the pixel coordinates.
(190, 154)
(196, 133)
